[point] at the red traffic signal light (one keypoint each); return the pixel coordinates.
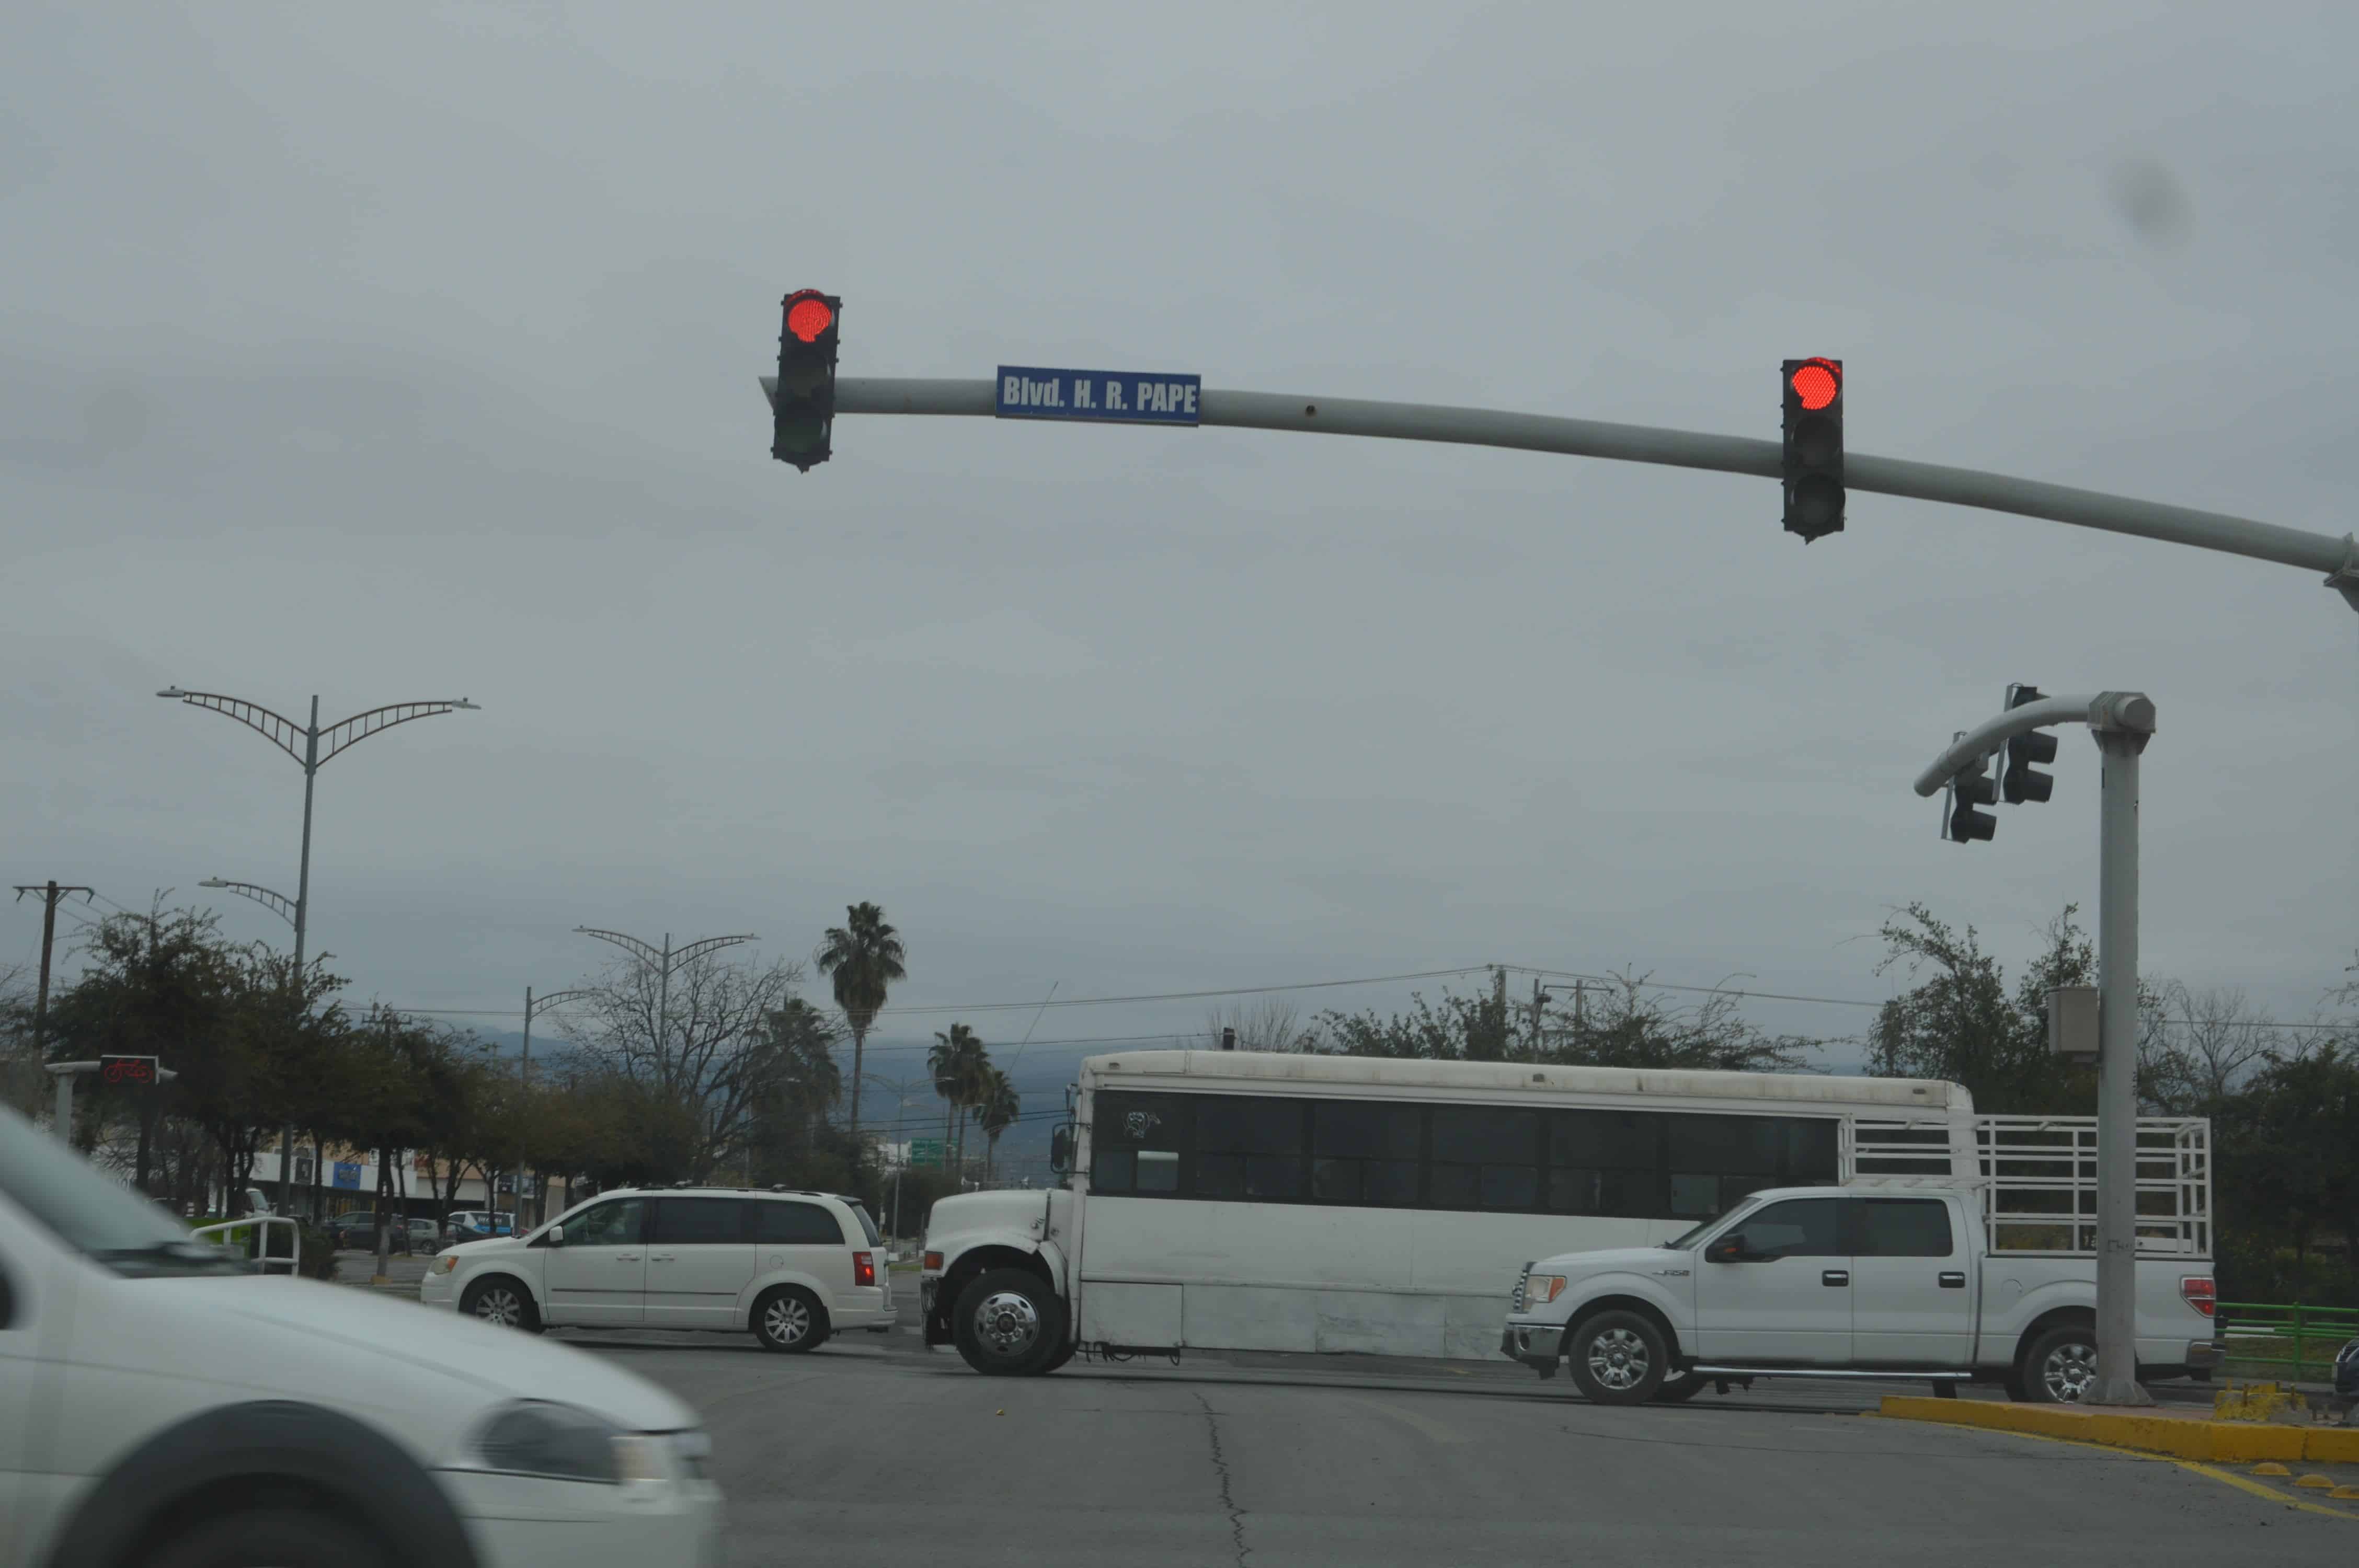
(1817, 382)
(1812, 464)
(809, 314)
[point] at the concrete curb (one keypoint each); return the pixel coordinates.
(2217, 1440)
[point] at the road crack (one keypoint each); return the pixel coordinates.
(1221, 1469)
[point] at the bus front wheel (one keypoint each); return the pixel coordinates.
(1008, 1322)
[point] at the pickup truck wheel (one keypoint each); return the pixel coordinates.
(1007, 1323)
(2060, 1367)
(1679, 1390)
(1618, 1358)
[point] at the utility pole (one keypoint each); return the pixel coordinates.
(1539, 999)
(50, 892)
(1499, 1005)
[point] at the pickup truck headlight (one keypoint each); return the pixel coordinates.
(1541, 1289)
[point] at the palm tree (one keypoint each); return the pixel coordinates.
(959, 1061)
(999, 1108)
(865, 957)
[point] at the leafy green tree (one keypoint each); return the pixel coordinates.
(1959, 1022)
(866, 958)
(791, 1139)
(958, 1061)
(2289, 1154)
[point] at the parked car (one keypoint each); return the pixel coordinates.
(202, 1398)
(1857, 1282)
(790, 1268)
(475, 1224)
(425, 1235)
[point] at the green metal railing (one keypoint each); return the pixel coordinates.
(2295, 1344)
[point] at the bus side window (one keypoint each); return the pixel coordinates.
(1138, 1142)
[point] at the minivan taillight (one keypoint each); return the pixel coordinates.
(2196, 1291)
(864, 1268)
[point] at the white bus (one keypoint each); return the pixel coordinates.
(1250, 1201)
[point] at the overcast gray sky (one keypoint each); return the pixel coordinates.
(409, 353)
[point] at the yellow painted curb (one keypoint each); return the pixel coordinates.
(2317, 1482)
(2213, 1441)
(2345, 1493)
(2271, 1467)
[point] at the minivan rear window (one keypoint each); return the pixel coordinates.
(867, 1223)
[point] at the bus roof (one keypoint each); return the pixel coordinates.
(1300, 1073)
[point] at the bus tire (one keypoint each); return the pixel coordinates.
(1618, 1358)
(1007, 1323)
(1064, 1352)
(1679, 1390)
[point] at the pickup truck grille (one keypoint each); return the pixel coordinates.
(1515, 1296)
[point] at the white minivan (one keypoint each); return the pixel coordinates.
(162, 1406)
(789, 1267)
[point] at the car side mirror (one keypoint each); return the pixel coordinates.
(1060, 1149)
(1727, 1249)
(556, 1236)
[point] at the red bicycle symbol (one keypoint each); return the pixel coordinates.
(128, 1070)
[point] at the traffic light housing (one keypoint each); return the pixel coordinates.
(1963, 819)
(803, 412)
(2026, 754)
(1812, 468)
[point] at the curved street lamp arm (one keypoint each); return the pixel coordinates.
(361, 726)
(541, 1005)
(698, 949)
(652, 957)
(282, 731)
(278, 904)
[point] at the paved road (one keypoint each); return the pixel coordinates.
(826, 1458)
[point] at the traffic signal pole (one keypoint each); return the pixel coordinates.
(2121, 723)
(2337, 559)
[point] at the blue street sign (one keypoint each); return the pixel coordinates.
(1123, 397)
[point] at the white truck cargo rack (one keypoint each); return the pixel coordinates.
(2038, 1176)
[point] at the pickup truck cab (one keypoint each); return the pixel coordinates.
(1845, 1282)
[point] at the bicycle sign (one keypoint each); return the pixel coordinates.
(139, 1071)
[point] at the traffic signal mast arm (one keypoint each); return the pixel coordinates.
(2337, 559)
(2128, 710)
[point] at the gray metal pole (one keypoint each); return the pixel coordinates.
(302, 911)
(2338, 558)
(2117, 923)
(663, 994)
(65, 1109)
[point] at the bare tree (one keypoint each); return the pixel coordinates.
(21, 1078)
(2198, 1048)
(708, 1055)
(1264, 1023)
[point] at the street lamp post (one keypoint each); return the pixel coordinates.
(319, 746)
(664, 960)
(533, 1007)
(900, 1088)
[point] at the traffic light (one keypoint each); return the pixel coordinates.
(2035, 748)
(804, 409)
(1813, 464)
(1963, 821)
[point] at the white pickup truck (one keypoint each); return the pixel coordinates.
(1845, 1282)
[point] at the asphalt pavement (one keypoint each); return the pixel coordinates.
(873, 1439)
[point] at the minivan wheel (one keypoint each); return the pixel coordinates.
(503, 1304)
(1618, 1358)
(789, 1321)
(276, 1537)
(1008, 1322)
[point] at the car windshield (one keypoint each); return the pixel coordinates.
(96, 1215)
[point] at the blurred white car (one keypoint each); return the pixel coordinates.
(160, 1402)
